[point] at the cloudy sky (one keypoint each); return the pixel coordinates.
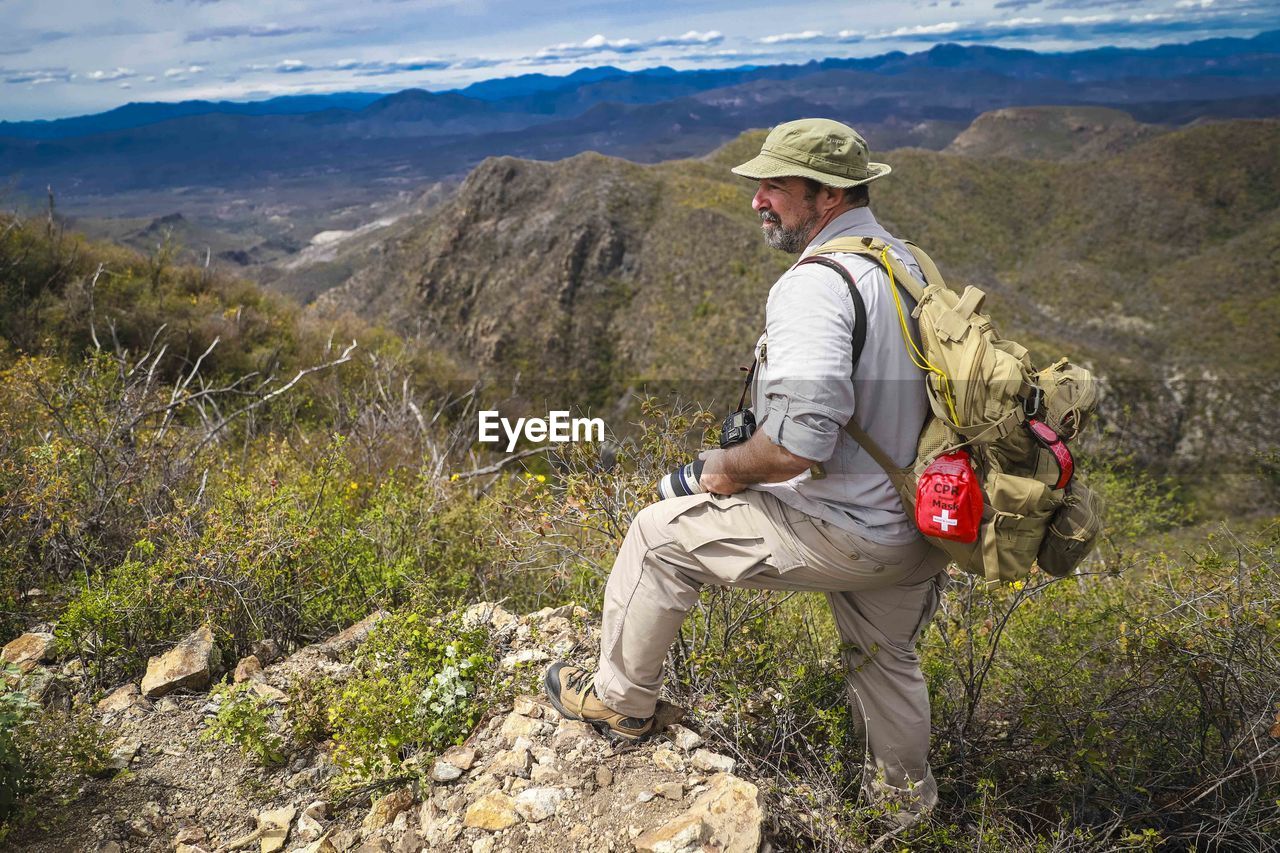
(69, 57)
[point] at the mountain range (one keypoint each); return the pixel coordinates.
(359, 147)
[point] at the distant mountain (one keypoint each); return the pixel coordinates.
(1052, 133)
(1150, 265)
(142, 114)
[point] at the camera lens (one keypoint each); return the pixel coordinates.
(682, 481)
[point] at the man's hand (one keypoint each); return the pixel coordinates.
(714, 479)
(757, 460)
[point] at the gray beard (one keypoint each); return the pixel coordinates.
(790, 240)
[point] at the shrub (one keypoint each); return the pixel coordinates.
(243, 720)
(418, 689)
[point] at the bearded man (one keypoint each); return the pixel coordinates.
(800, 505)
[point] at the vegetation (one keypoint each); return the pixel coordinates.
(178, 448)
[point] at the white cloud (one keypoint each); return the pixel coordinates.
(920, 30)
(1087, 19)
(792, 38)
(1193, 4)
(600, 44)
(181, 72)
(114, 74)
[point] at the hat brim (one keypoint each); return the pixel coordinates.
(767, 166)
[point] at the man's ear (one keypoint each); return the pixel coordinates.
(828, 198)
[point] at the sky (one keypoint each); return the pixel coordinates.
(72, 57)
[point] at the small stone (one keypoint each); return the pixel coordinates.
(671, 790)
(122, 753)
(685, 739)
(526, 706)
(537, 804)
(266, 651)
(274, 828)
(645, 796)
(574, 733)
(543, 754)
(685, 834)
(110, 847)
(524, 658)
(190, 835)
(483, 845)
(461, 757)
(713, 762)
(248, 667)
(443, 771)
(386, 807)
(186, 665)
(492, 615)
(669, 760)
(604, 776)
(545, 774)
(122, 698)
(518, 725)
(28, 650)
(318, 810)
(493, 811)
(511, 762)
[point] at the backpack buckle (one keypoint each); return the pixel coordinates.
(1032, 402)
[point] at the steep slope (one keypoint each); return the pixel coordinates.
(1153, 264)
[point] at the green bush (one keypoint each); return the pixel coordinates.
(418, 689)
(243, 720)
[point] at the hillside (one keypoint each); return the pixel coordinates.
(599, 269)
(1052, 133)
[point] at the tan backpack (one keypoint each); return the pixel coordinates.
(986, 398)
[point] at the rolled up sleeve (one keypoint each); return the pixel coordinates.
(807, 390)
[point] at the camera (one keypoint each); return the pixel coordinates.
(737, 428)
(682, 481)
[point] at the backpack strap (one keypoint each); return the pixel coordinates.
(881, 253)
(859, 307)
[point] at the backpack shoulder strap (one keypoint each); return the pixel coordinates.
(881, 253)
(926, 264)
(859, 307)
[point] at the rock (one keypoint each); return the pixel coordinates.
(525, 706)
(731, 810)
(494, 811)
(511, 762)
(713, 762)
(645, 796)
(110, 847)
(266, 691)
(248, 667)
(122, 753)
(518, 725)
(375, 845)
(491, 615)
(310, 826)
(574, 733)
(671, 790)
(190, 835)
(28, 650)
(545, 774)
(354, 635)
(452, 763)
(266, 651)
(538, 804)
(274, 828)
(524, 658)
(186, 665)
(386, 807)
(669, 760)
(684, 738)
(483, 845)
(324, 844)
(604, 776)
(122, 698)
(685, 834)
(443, 771)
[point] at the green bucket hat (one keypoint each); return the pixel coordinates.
(827, 151)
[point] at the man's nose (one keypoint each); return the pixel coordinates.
(758, 202)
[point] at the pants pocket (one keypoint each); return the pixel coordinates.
(730, 538)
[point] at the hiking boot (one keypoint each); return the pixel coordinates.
(571, 690)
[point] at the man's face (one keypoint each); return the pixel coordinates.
(788, 213)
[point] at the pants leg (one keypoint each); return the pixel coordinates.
(881, 597)
(890, 701)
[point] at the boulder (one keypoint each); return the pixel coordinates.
(713, 762)
(537, 804)
(249, 667)
(730, 808)
(27, 651)
(122, 698)
(186, 665)
(685, 834)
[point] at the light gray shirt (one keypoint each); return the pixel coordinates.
(805, 388)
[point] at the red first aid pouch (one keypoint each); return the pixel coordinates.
(949, 499)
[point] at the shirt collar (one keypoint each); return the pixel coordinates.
(851, 223)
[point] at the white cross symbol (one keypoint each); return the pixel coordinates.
(945, 520)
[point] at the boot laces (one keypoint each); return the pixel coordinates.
(577, 681)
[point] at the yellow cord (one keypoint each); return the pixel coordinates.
(918, 357)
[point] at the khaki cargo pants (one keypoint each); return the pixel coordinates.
(882, 598)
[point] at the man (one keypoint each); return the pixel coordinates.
(771, 518)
